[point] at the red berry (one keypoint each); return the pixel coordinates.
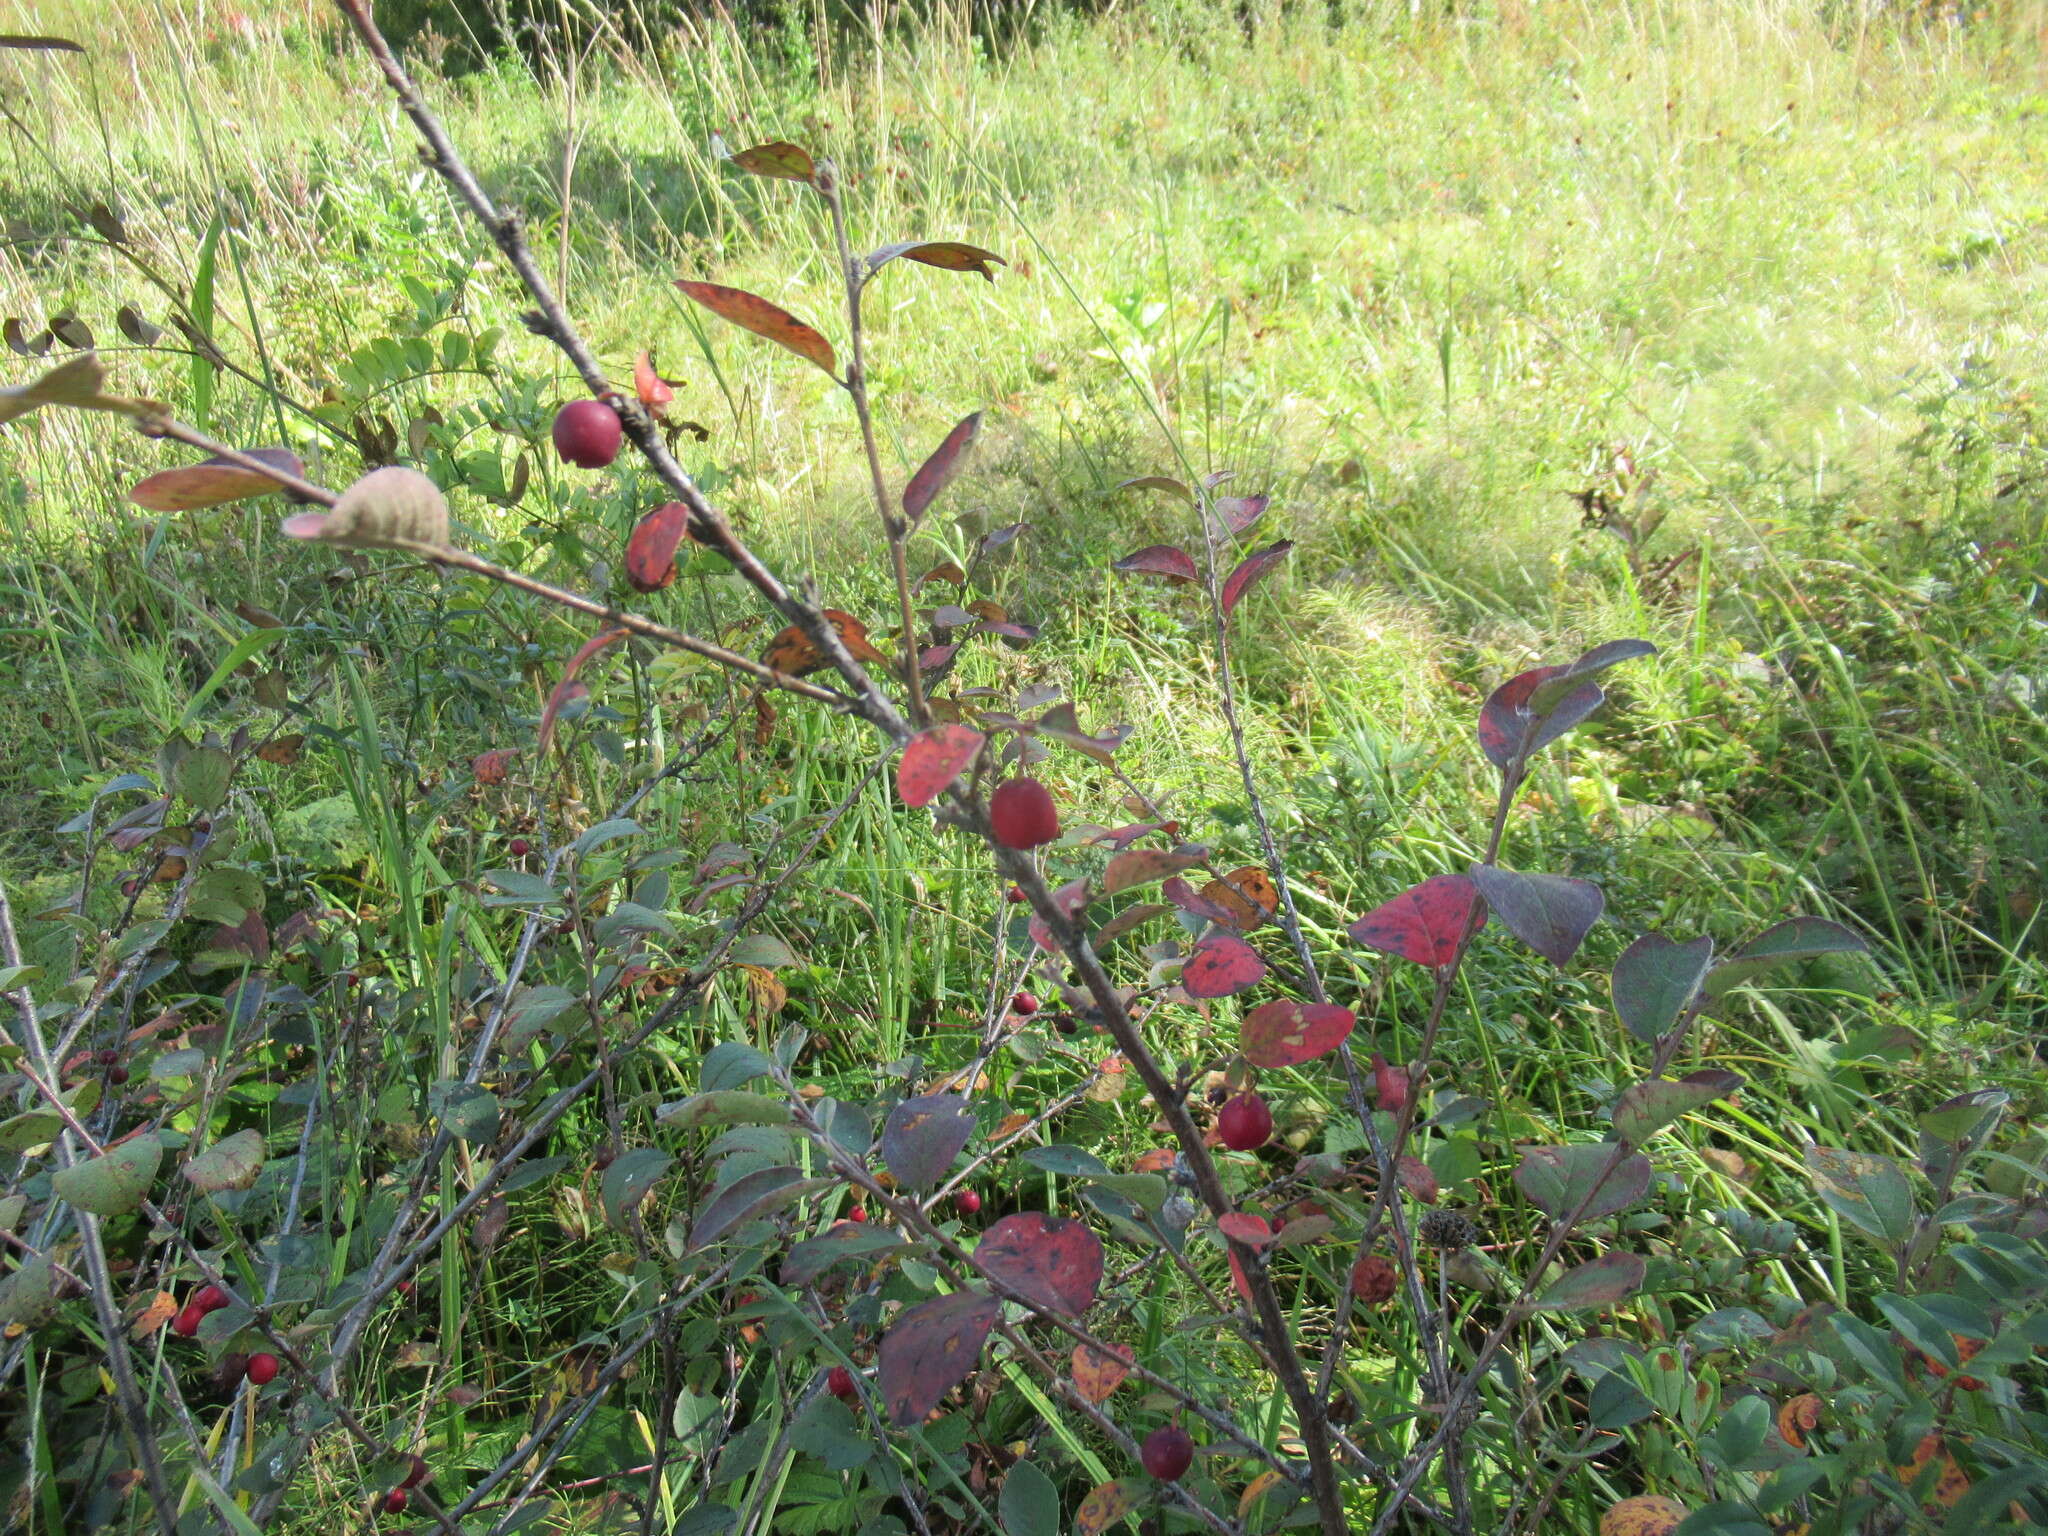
(396, 1500)
(858, 1213)
(107, 1056)
(519, 847)
(1024, 1003)
(967, 1202)
(1014, 894)
(1167, 1452)
(587, 433)
(1021, 814)
(209, 1298)
(117, 1075)
(186, 1324)
(839, 1382)
(263, 1369)
(1245, 1123)
(415, 1474)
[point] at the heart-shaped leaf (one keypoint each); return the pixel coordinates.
(651, 551)
(1552, 914)
(1645, 1108)
(115, 1182)
(751, 312)
(1050, 1260)
(1556, 1179)
(1425, 923)
(1249, 571)
(938, 471)
(781, 160)
(948, 254)
(930, 1349)
(1286, 1033)
(1601, 1282)
(1222, 965)
(932, 759)
(212, 483)
(389, 508)
(1175, 564)
(922, 1136)
(1656, 979)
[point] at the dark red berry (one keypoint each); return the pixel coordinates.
(107, 1057)
(1067, 1024)
(1014, 894)
(587, 433)
(1245, 1123)
(1167, 1452)
(209, 1298)
(858, 1213)
(263, 1369)
(1024, 1003)
(1021, 814)
(414, 1474)
(396, 1500)
(117, 1075)
(519, 847)
(967, 1202)
(186, 1324)
(839, 1382)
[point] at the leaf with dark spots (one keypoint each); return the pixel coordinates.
(651, 551)
(1051, 1261)
(1240, 512)
(930, 1349)
(924, 1135)
(1552, 914)
(1222, 965)
(932, 759)
(751, 312)
(938, 471)
(1167, 560)
(1249, 571)
(780, 160)
(212, 483)
(1164, 483)
(1425, 923)
(1097, 1373)
(1656, 979)
(1286, 1033)
(794, 652)
(1247, 894)
(950, 255)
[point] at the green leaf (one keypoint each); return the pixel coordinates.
(1649, 1106)
(1601, 1282)
(764, 950)
(828, 1430)
(252, 644)
(628, 1180)
(517, 888)
(1867, 1191)
(811, 1257)
(231, 1163)
(29, 1295)
(1072, 1162)
(748, 1198)
(202, 777)
(1029, 1504)
(732, 1064)
(467, 1110)
(1790, 942)
(1556, 1179)
(726, 1106)
(32, 1128)
(113, 1183)
(1656, 979)
(604, 832)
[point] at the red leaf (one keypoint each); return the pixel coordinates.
(937, 472)
(1509, 727)
(949, 254)
(1286, 1033)
(751, 312)
(212, 483)
(1240, 512)
(1222, 965)
(1164, 483)
(1237, 1274)
(933, 759)
(567, 688)
(1417, 1178)
(1072, 899)
(783, 161)
(651, 551)
(1167, 560)
(1188, 899)
(1240, 581)
(1425, 923)
(1252, 1231)
(930, 1350)
(1096, 1374)
(651, 387)
(1051, 1260)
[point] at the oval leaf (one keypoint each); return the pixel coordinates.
(1552, 914)
(629, 1178)
(1240, 581)
(1222, 965)
(1050, 1260)
(1175, 564)
(748, 1198)
(1165, 483)
(568, 688)
(651, 551)
(1788, 943)
(1655, 980)
(1141, 866)
(1287, 1033)
(1556, 1179)
(933, 759)
(949, 254)
(113, 1183)
(1096, 1373)
(1647, 1107)
(212, 483)
(1104, 1507)
(1600, 1282)
(930, 1350)
(781, 160)
(938, 471)
(922, 1136)
(1240, 512)
(1425, 923)
(750, 312)
(230, 1163)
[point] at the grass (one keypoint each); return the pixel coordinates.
(1423, 280)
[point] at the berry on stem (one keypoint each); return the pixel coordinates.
(396, 1500)
(519, 847)
(1024, 1003)
(1021, 814)
(263, 1369)
(1244, 1123)
(967, 1202)
(186, 1324)
(1167, 1452)
(209, 1298)
(587, 433)
(415, 1474)
(858, 1213)
(839, 1382)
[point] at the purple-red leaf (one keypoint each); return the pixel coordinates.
(651, 551)
(922, 1136)
(212, 483)
(1175, 564)
(1240, 512)
(1240, 581)
(1071, 900)
(1222, 965)
(933, 759)
(1050, 1260)
(948, 254)
(937, 472)
(568, 688)
(751, 312)
(1286, 1033)
(1243, 1227)
(930, 1350)
(1425, 923)
(1164, 483)
(784, 161)
(1552, 914)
